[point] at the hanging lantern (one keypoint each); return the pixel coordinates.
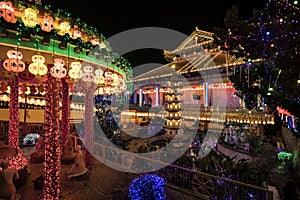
(115, 79)
(99, 79)
(75, 72)
(88, 75)
(64, 28)
(7, 11)
(95, 41)
(30, 17)
(14, 62)
(38, 67)
(58, 70)
(3, 87)
(76, 33)
(47, 23)
(33, 90)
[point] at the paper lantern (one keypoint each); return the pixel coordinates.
(76, 33)
(99, 79)
(115, 79)
(14, 62)
(75, 72)
(88, 75)
(58, 70)
(64, 28)
(7, 11)
(47, 23)
(95, 41)
(30, 17)
(38, 67)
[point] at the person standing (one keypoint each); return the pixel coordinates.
(7, 187)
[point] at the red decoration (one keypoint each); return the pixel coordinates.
(47, 23)
(51, 186)
(65, 129)
(58, 70)
(7, 11)
(14, 62)
(18, 162)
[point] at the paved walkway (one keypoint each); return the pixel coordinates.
(103, 183)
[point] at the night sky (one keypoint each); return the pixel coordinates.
(183, 16)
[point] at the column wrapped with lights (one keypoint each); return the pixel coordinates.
(88, 123)
(65, 129)
(51, 187)
(18, 161)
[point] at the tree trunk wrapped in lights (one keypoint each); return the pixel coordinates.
(51, 187)
(18, 161)
(65, 129)
(89, 124)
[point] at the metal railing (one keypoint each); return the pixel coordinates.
(194, 182)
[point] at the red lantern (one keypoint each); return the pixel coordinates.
(7, 11)
(151, 90)
(3, 87)
(14, 62)
(47, 23)
(58, 70)
(33, 90)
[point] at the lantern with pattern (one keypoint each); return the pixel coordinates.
(64, 28)
(99, 79)
(30, 17)
(75, 72)
(37, 67)
(14, 62)
(76, 33)
(58, 70)
(47, 23)
(88, 75)
(7, 11)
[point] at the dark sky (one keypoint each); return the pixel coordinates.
(114, 17)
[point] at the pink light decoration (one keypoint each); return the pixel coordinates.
(89, 123)
(18, 161)
(7, 11)
(51, 187)
(14, 61)
(65, 129)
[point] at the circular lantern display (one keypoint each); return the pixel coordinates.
(30, 17)
(38, 67)
(14, 62)
(47, 23)
(7, 11)
(75, 72)
(64, 28)
(58, 70)
(88, 75)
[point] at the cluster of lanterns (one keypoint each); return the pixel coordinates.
(111, 81)
(31, 17)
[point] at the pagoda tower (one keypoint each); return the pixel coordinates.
(173, 109)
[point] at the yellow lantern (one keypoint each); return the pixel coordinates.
(30, 17)
(115, 79)
(75, 72)
(64, 28)
(38, 67)
(7, 11)
(99, 79)
(58, 70)
(14, 62)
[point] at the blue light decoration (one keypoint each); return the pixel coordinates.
(147, 187)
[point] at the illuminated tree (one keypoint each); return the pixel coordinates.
(272, 35)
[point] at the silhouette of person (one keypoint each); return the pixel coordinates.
(7, 187)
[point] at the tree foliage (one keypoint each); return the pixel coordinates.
(269, 43)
